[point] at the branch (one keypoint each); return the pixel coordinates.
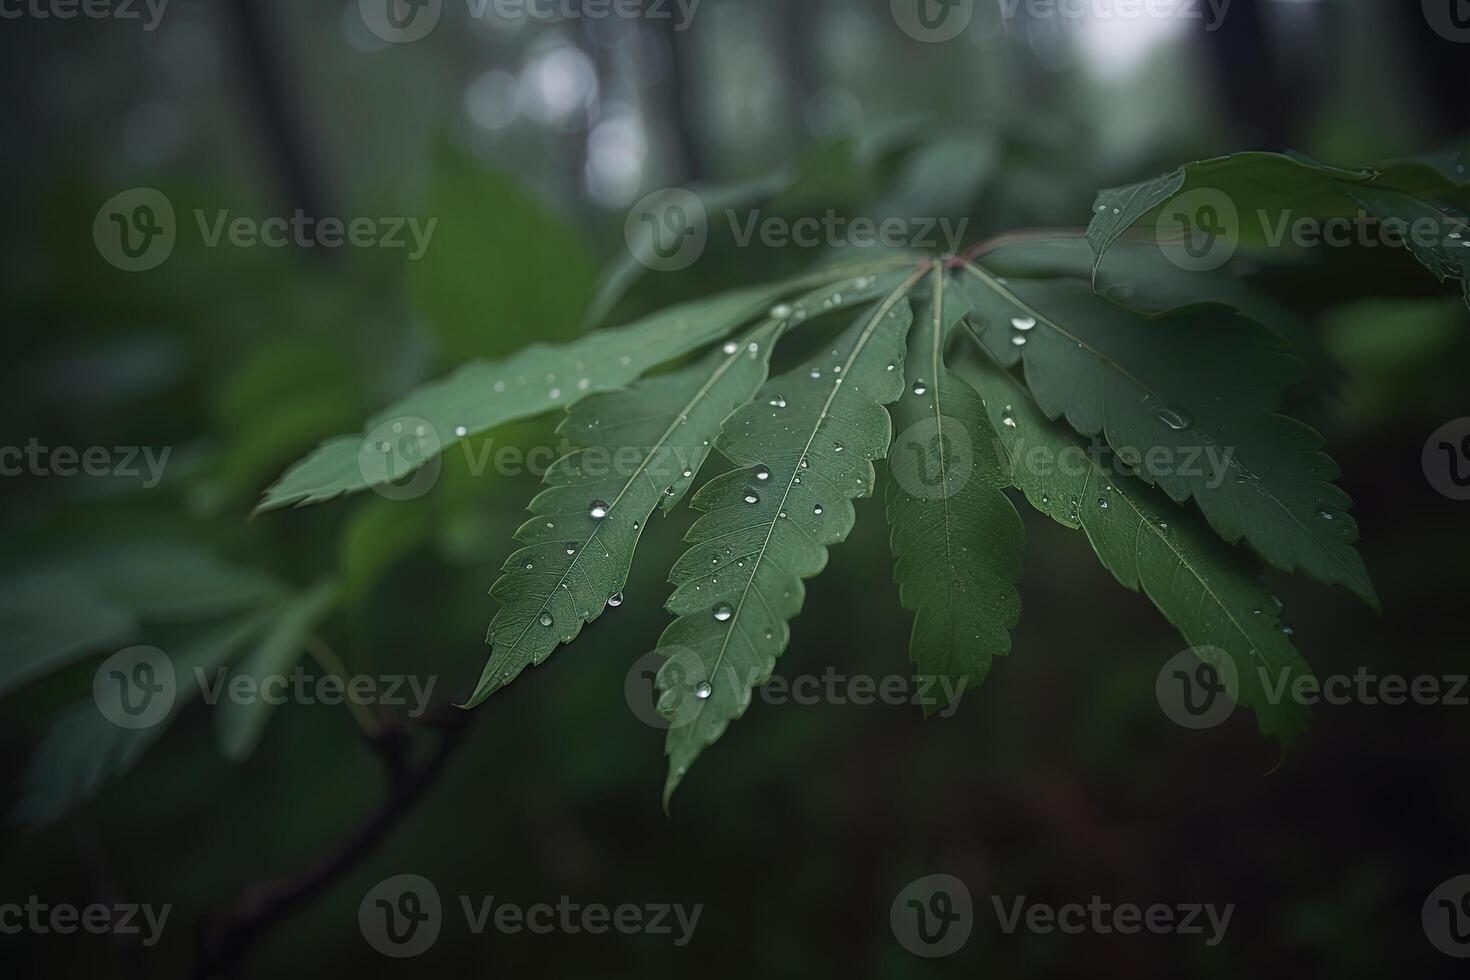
(223, 939)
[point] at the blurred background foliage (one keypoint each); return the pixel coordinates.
(529, 141)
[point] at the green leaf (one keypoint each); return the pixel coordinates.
(1446, 251)
(1190, 398)
(481, 394)
(804, 449)
(1205, 589)
(1267, 187)
(641, 450)
(82, 752)
(239, 725)
(79, 604)
(956, 538)
(53, 618)
(1145, 279)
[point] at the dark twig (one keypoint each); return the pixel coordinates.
(225, 938)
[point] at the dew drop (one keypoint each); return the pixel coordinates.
(1326, 516)
(891, 367)
(780, 311)
(555, 393)
(1174, 418)
(838, 447)
(1018, 339)
(730, 347)
(615, 600)
(1102, 503)
(461, 431)
(803, 463)
(817, 510)
(763, 472)
(687, 473)
(816, 375)
(1023, 322)
(597, 509)
(920, 387)
(724, 611)
(702, 690)
(571, 549)
(545, 619)
(751, 497)
(778, 402)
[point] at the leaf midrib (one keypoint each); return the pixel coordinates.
(1232, 460)
(858, 347)
(643, 464)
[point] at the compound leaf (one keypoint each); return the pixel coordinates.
(1189, 398)
(641, 450)
(1206, 590)
(1253, 193)
(804, 449)
(483, 394)
(956, 538)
